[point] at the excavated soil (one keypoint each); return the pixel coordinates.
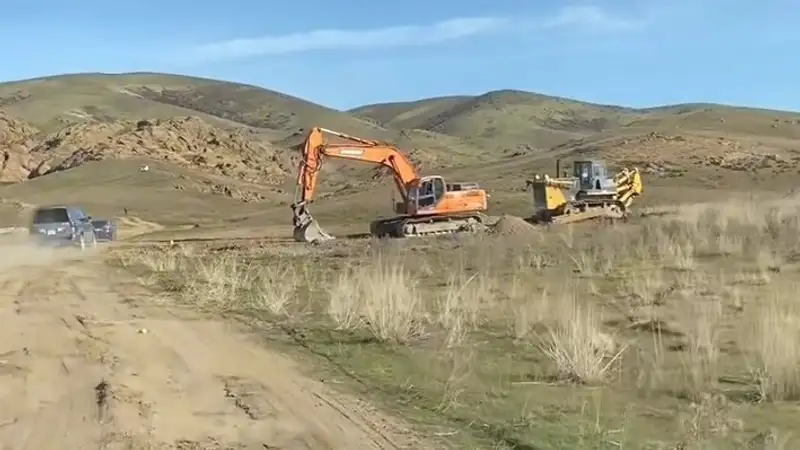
(88, 361)
(187, 142)
(513, 226)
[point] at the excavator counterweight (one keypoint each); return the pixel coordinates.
(429, 205)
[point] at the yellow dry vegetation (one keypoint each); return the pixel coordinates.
(679, 328)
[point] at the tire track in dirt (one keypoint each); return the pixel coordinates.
(85, 365)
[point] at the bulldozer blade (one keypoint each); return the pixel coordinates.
(311, 232)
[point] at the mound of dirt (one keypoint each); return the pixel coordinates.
(188, 142)
(16, 139)
(513, 226)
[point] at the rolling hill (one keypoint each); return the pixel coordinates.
(544, 121)
(506, 121)
(237, 143)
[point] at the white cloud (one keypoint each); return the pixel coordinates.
(591, 18)
(401, 36)
(584, 17)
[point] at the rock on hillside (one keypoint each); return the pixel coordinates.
(672, 154)
(188, 142)
(16, 139)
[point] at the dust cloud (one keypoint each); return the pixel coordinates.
(18, 250)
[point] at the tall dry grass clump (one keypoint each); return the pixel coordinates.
(226, 282)
(775, 338)
(275, 286)
(744, 228)
(701, 322)
(581, 351)
(380, 296)
(383, 295)
(218, 283)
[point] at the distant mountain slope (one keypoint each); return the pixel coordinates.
(489, 126)
(415, 114)
(53, 102)
(262, 108)
(506, 118)
(513, 119)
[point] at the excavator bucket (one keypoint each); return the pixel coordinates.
(306, 229)
(311, 233)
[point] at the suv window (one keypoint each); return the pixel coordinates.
(55, 215)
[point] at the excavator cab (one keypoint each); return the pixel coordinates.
(424, 194)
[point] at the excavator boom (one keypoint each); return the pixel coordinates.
(451, 203)
(315, 148)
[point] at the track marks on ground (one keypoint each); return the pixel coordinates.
(87, 358)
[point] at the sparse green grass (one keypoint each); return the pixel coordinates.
(672, 332)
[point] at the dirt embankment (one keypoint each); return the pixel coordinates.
(16, 139)
(188, 142)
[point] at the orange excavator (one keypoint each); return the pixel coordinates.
(429, 205)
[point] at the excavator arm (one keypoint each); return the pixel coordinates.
(316, 149)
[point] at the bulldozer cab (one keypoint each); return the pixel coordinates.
(591, 176)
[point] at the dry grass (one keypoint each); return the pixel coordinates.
(501, 341)
(581, 351)
(224, 283)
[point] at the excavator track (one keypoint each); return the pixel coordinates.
(405, 226)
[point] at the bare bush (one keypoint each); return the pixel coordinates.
(578, 347)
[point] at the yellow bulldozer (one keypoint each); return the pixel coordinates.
(590, 193)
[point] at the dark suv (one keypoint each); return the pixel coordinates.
(63, 225)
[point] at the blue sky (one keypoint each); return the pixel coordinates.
(629, 52)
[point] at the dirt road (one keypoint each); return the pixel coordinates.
(85, 363)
